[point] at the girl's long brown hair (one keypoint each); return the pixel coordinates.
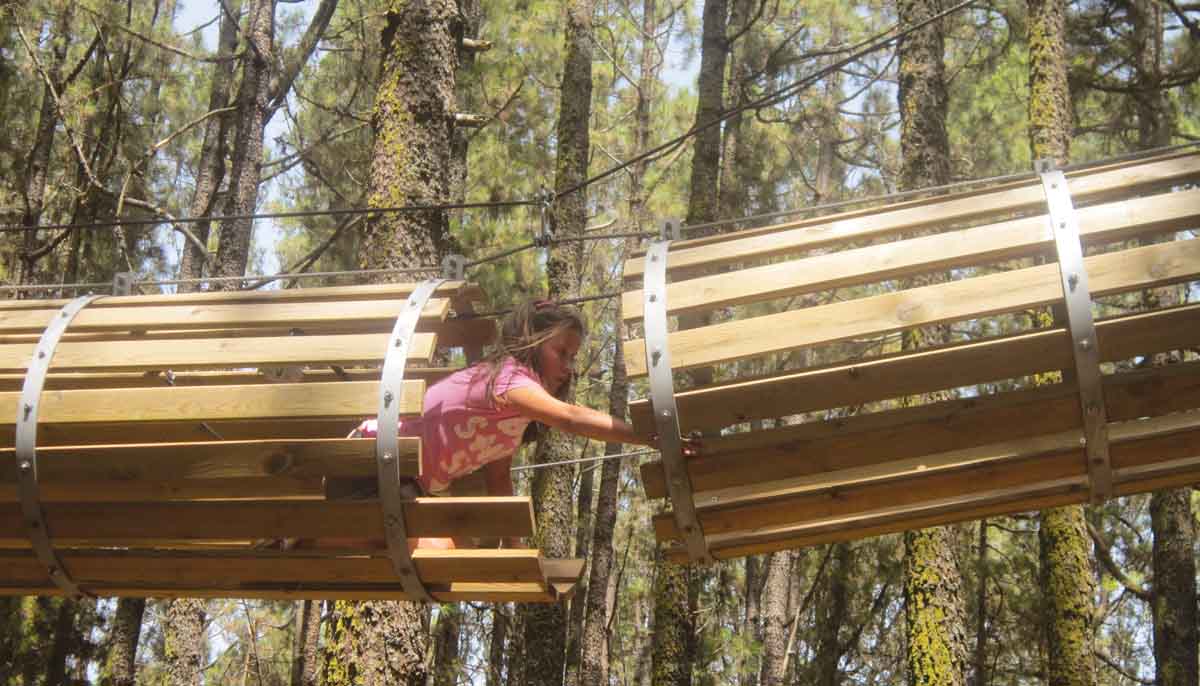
(523, 331)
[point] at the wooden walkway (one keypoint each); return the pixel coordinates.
(180, 438)
(963, 258)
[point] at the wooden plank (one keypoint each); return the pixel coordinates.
(892, 376)
(453, 593)
(237, 488)
(1155, 439)
(954, 301)
(218, 353)
(175, 470)
(70, 523)
(874, 264)
(208, 316)
(72, 380)
(560, 571)
(385, 291)
(923, 214)
(1173, 474)
(347, 400)
(231, 571)
(820, 447)
(114, 433)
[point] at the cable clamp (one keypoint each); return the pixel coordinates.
(671, 230)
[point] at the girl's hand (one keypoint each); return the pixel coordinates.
(690, 445)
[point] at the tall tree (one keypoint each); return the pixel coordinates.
(933, 605)
(1064, 558)
(386, 642)
(184, 629)
(775, 618)
(120, 667)
(544, 627)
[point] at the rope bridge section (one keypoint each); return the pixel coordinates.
(805, 321)
(194, 445)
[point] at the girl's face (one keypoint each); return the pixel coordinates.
(556, 357)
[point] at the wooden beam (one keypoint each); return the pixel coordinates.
(386, 291)
(232, 571)
(986, 244)
(286, 315)
(201, 469)
(819, 447)
(214, 403)
(218, 353)
(922, 214)
(119, 433)
(453, 593)
(93, 523)
(73, 381)
(954, 301)
(924, 371)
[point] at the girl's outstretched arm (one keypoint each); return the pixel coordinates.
(535, 403)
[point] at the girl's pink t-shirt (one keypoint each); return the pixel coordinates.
(462, 428)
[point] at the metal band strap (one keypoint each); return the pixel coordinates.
(662, 399)
(387, 442)
(26, 444)
(1077, 296)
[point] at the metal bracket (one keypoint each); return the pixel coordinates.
(387, 442)
(671, 230)
(1078, 300)
(662, 400)
(26, 445)
(454, 267)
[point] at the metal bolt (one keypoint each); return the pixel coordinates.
(1072, 281)
(654, 258)
(387, 398)
(1054, 185)
(26, 465)
(713, 500)
(1062, 225)
(399, 343)
(66, 314)
(655, 356)
(1083, 441)
(1085, 344)
(41, 354)
(28, 409)
(653, 298)
(387, 457)
(666, 414)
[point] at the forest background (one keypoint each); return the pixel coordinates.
(163, 109)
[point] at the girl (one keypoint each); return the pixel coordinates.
(475, 419)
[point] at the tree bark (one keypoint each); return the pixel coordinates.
(307, 651)
(233, 248)
(413, 119)
(671, 663)
(834, 599)
(121, 664)
(544, 626)
(735, 154)
(495, 668)
(210, 168)
(37, 164)
(775, 618)
(184, 635)
(1049, 92)
(1174, 601)
(710, 101)
(447, 658)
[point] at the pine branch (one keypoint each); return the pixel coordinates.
(1105, 554)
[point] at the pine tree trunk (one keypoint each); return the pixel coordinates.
(672, 660)
(233, 248)
(1049, 93)
(736, 153)
(1174, 601)
(775, 618)
(832, 616)
(981, 611)
(710, 102)
(544, 627)
(306, 653)
(933, 603)
(66, 641)
(210, 168)
(121, 664)
(184, 635)
(447, 658)
(496, 642)
(37, 164)
(413, 119)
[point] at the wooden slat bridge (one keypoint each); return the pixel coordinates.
(181, 438)
(779, 350)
